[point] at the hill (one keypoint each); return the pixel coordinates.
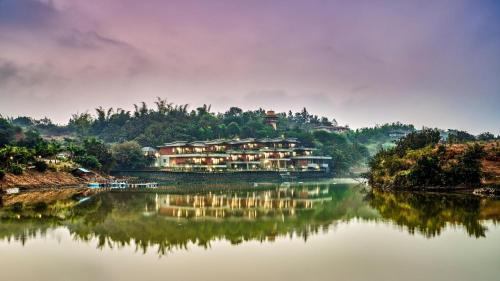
(422, 160)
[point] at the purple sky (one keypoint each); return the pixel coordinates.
(433, 63)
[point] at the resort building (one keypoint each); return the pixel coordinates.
(283, 154)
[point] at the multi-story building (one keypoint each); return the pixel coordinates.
(240, 154)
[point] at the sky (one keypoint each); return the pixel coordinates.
(429, 63)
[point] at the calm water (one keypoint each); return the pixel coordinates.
(303, 232)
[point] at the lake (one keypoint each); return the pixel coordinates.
(310, 231)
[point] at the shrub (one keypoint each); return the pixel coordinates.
(17, 207)
(41, 166)
(2, 174)
(468, 169)
(417, 140)
(40, 207)
(88, 161)
(16, 169)
(128, 155)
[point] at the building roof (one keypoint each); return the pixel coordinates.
(216, 141)
(242, 141)
(232, 151)
(277, 140)
(198, 143)
(276, 149)
(301, 148)
(224, 141)
(174, 144)
(312, 157)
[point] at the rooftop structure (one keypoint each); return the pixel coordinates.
(271, 118)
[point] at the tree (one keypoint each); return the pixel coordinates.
(486, 136)
(468, 168)
(98, 149)
(233, 129)
(88, 161)
(31, 139)
(7, 132)
(14, 155)
(456, 136)
(23, 121)
(81, 123)
(128, 155)
(416, 140)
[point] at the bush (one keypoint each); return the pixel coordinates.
(40, 207)
(41, 166)
(468, 168)
(17, 207)
(16, 169)
(2, 174)
(128, 155)
(417, 140)
(89, 162)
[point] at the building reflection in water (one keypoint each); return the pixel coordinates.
(284, 200)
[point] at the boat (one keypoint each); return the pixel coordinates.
(122, 185)
(117, 184)
(14, 190)
(144, 185)
(83, 199)
(93, 185)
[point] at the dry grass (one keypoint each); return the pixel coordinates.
(36, 179)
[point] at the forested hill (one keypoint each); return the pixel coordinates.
(165, 122)
(422, 160)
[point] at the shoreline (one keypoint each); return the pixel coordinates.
(484, 190)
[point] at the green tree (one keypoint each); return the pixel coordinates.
(233, 129)
(486, 136)
(416, 140)
(98, 149)
(7, 132)
(81, 123)
(88, 161)
(128, 155)
(456, 136)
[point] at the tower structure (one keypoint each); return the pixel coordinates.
(271, 118)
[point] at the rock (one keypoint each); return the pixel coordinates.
(487, 191)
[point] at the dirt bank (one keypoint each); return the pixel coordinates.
(33, 179)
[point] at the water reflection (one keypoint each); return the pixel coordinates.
(173, 221)
(429, 214)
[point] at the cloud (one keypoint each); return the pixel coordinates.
(8, 71)
(13, 75)
(359, 61)
(26, 13)
(90, 40)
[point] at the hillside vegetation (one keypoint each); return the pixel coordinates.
(112, 138)
(421, 160)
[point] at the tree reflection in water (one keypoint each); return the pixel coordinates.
(430, 213)
(169, 222)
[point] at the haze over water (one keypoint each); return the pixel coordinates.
(299, 232)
